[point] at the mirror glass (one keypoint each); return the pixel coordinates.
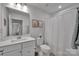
(16, 27)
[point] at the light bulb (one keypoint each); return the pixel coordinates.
(11, 4)
(59, 6)
(25, 8)
(18, 5)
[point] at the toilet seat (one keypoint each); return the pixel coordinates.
(45, 48)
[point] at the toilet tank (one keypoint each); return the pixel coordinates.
(39, 41)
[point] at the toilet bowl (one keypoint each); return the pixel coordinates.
(45, 50)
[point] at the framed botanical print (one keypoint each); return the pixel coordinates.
(36, 23)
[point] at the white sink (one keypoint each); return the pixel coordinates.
(17, 40)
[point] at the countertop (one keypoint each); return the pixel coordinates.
(13, 41)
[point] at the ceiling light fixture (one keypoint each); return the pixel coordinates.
(20, 6)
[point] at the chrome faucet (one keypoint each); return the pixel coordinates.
(19, 37)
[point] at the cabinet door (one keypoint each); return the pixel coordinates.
(28, 51)
(30, 43)
(12, 48)
(12, 53)
(1, 53)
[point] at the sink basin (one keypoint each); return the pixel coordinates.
(17, 40)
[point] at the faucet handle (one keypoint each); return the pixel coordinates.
(19, 37)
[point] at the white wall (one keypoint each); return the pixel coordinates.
(36, 13)
(4, 16)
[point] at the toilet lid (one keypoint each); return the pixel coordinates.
(45, 47)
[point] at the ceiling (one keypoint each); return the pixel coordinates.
(52, 7)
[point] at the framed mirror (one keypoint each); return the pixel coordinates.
(19, 23)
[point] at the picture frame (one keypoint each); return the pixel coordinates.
(36, 23)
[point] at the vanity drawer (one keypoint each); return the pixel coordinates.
(13, 53)
(12, 48)
(30, 43)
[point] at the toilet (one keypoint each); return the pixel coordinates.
(44, 49)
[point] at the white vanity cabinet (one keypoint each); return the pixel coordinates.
(13, 53)
(21, 49)
(28, 48)
(12, 50)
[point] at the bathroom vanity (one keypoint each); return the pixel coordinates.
(14, 24)
(20, 47)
